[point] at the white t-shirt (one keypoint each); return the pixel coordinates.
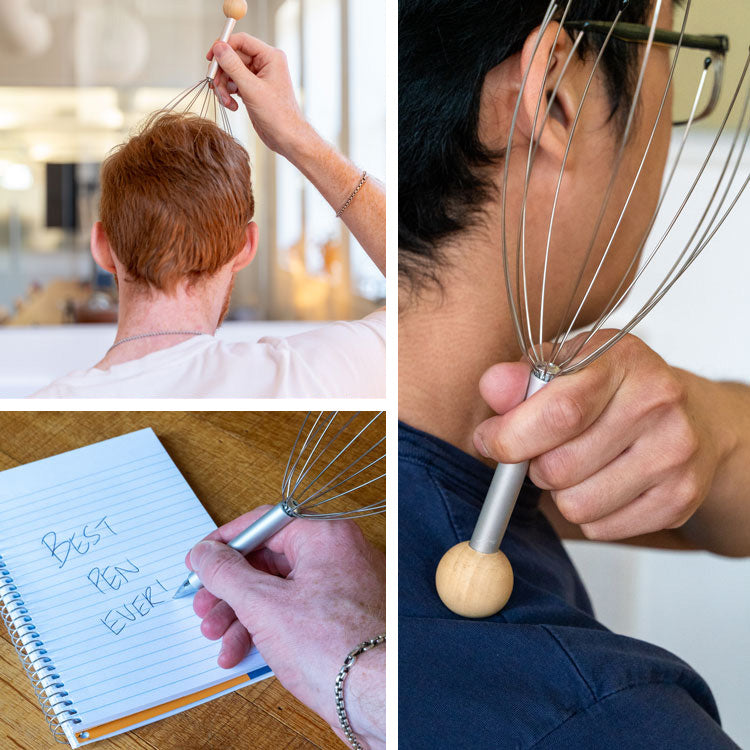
(344, 359)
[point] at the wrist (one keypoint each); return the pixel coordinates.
(713, 405)
(364, 698)
(303, 147)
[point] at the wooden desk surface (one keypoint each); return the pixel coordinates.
(233, 461)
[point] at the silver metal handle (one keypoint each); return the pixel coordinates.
(254, 535)
(503, 492)
(213, 68)
(264, 528)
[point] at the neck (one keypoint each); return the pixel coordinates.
(197, 309)
(448, 339)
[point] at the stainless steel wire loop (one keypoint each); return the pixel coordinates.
(531, 324)
(335, 456)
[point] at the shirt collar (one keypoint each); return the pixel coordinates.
(453, 466)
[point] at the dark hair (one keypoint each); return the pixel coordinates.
(446, 48)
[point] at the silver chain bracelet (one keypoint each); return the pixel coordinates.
(340, 677)
(351, 197)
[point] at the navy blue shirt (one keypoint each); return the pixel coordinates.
(541, 674)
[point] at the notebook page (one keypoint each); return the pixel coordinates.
(95, 540)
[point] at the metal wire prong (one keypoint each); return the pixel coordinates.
(303, 472)
(284, 481)
(308, 490)
(210, 107)
(341, 494)
(174, 103)
(611, 303)
(509, 287)
(571, 136)
(573, 50)
(329, 487)
(532, 140)
(341, 452)
(311, 435)
(667, 283)
(559, 343)
(556, 349)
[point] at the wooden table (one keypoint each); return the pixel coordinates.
(233, 461)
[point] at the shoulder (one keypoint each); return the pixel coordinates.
(649, 714)
(67, 386)
(344, 359)
(365, 334)
(515, 685)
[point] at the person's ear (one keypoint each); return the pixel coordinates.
(246, 255)
(554, 50)
(101, 250)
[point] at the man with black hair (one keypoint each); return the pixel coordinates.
(628, 447)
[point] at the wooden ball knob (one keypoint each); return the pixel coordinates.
(473, 584)
(235, 9)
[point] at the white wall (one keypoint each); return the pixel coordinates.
(695, 604)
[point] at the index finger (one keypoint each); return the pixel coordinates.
(247, 46)
(557, 413)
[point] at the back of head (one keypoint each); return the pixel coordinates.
(446, 48)
(176, 199)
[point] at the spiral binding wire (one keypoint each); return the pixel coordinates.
(34, 659)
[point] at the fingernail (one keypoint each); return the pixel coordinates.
(478, 444)
(232, 86)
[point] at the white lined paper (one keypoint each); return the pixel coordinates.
(117, 518)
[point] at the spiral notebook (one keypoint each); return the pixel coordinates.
(92, 549)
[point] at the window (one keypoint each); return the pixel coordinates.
(331, 46)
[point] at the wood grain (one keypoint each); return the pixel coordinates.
(234, 461)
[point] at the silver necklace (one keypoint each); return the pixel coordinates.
(154, 333)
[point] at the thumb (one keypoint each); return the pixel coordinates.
(228, 575)
(504, 386)
(232, 65)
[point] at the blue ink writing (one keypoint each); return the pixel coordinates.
(139, 606)
(79, 542)
(113, 576)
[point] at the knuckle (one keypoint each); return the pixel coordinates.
(678, 521)
(346, 530)
(553, 468)
(687, 438)
(688, 491)
(342, 534)
(667, 390)
(631, 345)
(224, 566)
(594, 532)
(684, 443)
(565, 414)
(572, 506)
(499, 446)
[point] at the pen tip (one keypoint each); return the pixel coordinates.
(183, 590)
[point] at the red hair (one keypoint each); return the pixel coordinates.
(176, 199)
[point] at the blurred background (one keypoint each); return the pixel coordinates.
(76, 76)
(695, 604)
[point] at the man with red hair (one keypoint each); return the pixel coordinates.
(176, 227)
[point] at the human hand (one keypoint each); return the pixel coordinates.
(260, 74)
(626, 446)
(308, 597)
